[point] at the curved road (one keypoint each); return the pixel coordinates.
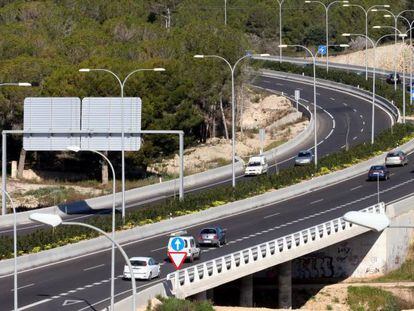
(83, 283)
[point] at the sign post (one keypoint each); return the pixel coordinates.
(297, 98)
(322, 50)
(177, 257)
(262, 137)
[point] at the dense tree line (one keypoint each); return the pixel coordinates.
(48, 41)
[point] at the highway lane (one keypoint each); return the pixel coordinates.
(335, 108)
(87, 278)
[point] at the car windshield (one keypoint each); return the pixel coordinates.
(304, 154)
(254, 164)
(208, 231)
(138, 263)
(393, 154)
(377, 168)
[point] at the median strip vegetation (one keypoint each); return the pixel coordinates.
(50, 238)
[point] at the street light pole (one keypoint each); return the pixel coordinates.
(280, 2)
(233, 106)
(77, 149)
(56, 220)
(4, 151)
(122, 85)
(366, 11)
(16, 306)
(225, 12)
(327, 7)
(314, 96)
(374, 45)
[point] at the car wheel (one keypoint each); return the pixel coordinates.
(150, 276)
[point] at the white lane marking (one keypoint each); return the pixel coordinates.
(94, 267)
(28, 285)
(158, 249)
(280, 84)
(35, 304)
(271, 215)
(362, 130)
(354, 109)
(332, 98)
(317, 201)
(354, 138)
(355, 188)
(318, 93)
(342, 147)
(361, 116)
(345, 104)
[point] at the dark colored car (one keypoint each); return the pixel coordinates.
(391, 79)
(378, 172)
(212, 236)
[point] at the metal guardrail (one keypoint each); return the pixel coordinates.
(379, 100)
(216, 268)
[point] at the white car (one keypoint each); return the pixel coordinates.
(256, 166)
(144, 268)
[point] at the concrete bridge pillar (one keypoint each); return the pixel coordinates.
(201, 296)
(285, 285)
(246, 291)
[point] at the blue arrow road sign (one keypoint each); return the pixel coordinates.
(177, 244)
(322, 49)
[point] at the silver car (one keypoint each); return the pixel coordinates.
(396, 158)
(304, 158)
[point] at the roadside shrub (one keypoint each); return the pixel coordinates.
(366, 298)
(62, 235)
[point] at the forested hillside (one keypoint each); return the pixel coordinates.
(48, 41)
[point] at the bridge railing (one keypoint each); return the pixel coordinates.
(217, 267)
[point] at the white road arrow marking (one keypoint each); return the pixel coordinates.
(69, 302)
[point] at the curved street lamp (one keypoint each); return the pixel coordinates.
(122, 86)
(373, 8)
(77, 149)
(327, 7)
(233, 108)
(374, 44)
(55, 220)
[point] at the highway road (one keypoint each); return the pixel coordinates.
(337, 112)
(83, 283)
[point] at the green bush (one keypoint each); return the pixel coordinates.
(174, 304)
(366, 298)
(48, 238)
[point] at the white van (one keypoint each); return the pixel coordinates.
(257, 165)
(190, 247)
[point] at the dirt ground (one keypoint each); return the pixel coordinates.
(274, 113)
(384, 57)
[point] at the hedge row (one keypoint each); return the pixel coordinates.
(47, 238)
(382, 88)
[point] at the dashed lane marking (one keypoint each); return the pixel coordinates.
(355, 188)
(317, 201)
(94, 267)
(271, 215)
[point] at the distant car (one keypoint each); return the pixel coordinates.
(304, 158)
(256, 166)
(378, 172)
(144, 268)
(396, 158)
(391, 79)
(212, 236)
(190, 246)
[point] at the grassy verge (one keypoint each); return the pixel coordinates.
(173, 304)
(48, 238)
(366, 298)
(404, 273)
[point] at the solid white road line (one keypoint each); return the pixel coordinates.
(35, 304)
(271, 215)
(28, 285)
(94, 267)
(158, 249)
(317, 201)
